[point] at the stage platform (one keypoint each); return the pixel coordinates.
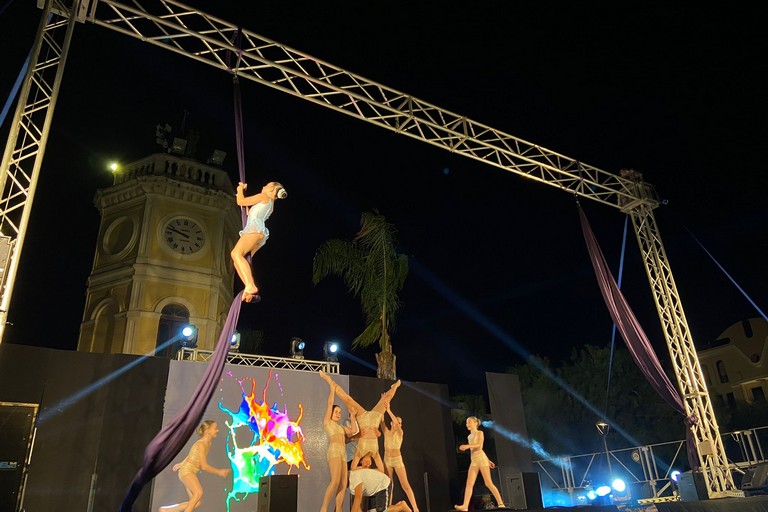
(748, 504)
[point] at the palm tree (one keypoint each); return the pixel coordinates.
(374, 273)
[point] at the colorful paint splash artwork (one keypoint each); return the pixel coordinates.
(260, 438)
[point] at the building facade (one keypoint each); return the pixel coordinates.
(735, 366)
(168, 224)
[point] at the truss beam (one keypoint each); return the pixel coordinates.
(28, 136)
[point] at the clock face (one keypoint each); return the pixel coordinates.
(184, 235)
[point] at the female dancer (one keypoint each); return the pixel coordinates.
(393, 460)
(479, 463)
(337, 455)
(191, 466)
(255, 233)
(368, 421)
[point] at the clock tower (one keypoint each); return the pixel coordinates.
(168, 224)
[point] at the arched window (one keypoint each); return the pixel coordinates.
(172, 319)
(721, 372)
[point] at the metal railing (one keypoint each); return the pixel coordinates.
(649, 467)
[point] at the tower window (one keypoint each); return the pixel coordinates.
(173, 318)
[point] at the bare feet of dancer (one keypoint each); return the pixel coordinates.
(459, 507)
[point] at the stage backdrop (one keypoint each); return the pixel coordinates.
(291, 405)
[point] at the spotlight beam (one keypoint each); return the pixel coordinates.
(79, 395)
(474, 314)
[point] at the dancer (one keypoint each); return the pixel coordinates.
(367, 482)
(337, 456)
(393, 460)
(368, 421)
(255, 233)
(479, 463)
(194, 462)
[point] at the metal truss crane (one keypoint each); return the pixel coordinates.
(210, 40)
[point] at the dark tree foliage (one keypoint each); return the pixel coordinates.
(564, 423)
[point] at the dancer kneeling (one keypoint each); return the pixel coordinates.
(367, 482)
(193, 464)
(479, 464)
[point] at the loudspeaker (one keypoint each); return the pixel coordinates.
(756, 479)
(525, 491)
(278, 493)
(692, 486)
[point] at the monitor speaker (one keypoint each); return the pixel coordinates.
(756, 479)
(525, 491)
(278, 493)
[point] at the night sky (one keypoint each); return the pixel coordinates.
(498, 264)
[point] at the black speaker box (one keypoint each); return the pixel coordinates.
(278, 493)
(756, 479)
(692, 486)
(525, 491)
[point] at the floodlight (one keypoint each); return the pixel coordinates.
(189, 336)
(619, 485)
(603, 490)
(675, 475)
(113, 166)
(591, 495)
(179, 145)
(234, 341)
(330, 350)
(603, 428)
(217, 157)
(297, 348)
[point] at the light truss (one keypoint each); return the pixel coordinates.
(197, 35)
(28, 135)
(259, 361)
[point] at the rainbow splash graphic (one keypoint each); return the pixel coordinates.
(260, 438)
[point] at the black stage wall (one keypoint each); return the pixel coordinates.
(98, 412)
(509, 421)
(99, 437)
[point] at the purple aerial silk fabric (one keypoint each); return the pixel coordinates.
(634, 337)
(169, 442)
(171, 439)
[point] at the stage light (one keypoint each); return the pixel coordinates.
(234, 341)
(330, 350)
(179, 146)
(603, 490)
(675, 476)
(591, 495)
(297, 348)
(217, 158)
(619, 485)
(113, 166)
(189, 336)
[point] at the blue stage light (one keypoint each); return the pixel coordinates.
(619, 485)
(297, 348)
(675, 475)
(603, 490)
(591, 495)
(189, 336)
(330, 350)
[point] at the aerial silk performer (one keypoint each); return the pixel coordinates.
(167, 444)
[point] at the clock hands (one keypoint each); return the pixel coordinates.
(171, 228)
